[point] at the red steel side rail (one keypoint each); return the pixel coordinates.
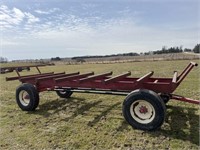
(45, 83)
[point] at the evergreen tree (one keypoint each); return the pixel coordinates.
(197, 49)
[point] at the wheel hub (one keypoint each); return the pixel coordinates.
(24, 98)
(143, 109)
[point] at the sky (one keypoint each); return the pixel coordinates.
(37, 29)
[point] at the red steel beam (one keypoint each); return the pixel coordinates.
(39, 76)
(38, 69)
(184, 99)
(33, 80)
(95, 77)
(48, 82)
(18, 72)
(34, 75)
(174, 79)
(117, 78)
(73, 77)
(186, 71)
(191, 63)
(56, 76)
(145, 77)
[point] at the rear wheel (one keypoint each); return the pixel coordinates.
(27, 97)
(64, 94)
(144, 109)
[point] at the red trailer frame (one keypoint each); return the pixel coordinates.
(146, 95)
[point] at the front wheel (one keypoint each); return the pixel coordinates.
(27, 97)
(144, 109)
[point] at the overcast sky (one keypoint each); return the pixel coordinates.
(34, 29)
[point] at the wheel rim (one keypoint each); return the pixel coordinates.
(142, 111)
(24, 98)
(62, 92)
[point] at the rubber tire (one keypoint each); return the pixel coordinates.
(67, 94)
(33, 94)
(154, 100)
(165, 98)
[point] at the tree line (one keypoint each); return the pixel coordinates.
(3, 60)
(177, 49)
(196, 49)
(104, 56)
(164, 50)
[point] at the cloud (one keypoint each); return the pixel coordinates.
(31, 18)
(11, 18)
(45, 34)
(17, 13)
(114, 36)
(47, 12)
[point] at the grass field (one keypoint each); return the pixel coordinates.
(89, 121)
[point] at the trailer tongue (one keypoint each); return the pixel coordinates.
(143, 108)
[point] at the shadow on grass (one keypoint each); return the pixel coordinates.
(78, 106)
(183, 124)
(74, 106)
(124, 126)
(55, 106)
(180, 123)
(103, 114)
(107, 109)
(82, 109)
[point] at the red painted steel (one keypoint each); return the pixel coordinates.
(186, 71)
(48, 82)
(95, 77)
(117, 78)
(33, 79)
(184, 99)
(28, 76)
(103, 82)
(145, 77)
(74, 77)
(19, 76)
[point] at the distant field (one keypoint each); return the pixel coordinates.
(89, 121)
(109, 60)
(156, 57)
(11, 64)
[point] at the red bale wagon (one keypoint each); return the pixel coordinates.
(143, 108)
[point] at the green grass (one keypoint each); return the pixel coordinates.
(89, 121)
